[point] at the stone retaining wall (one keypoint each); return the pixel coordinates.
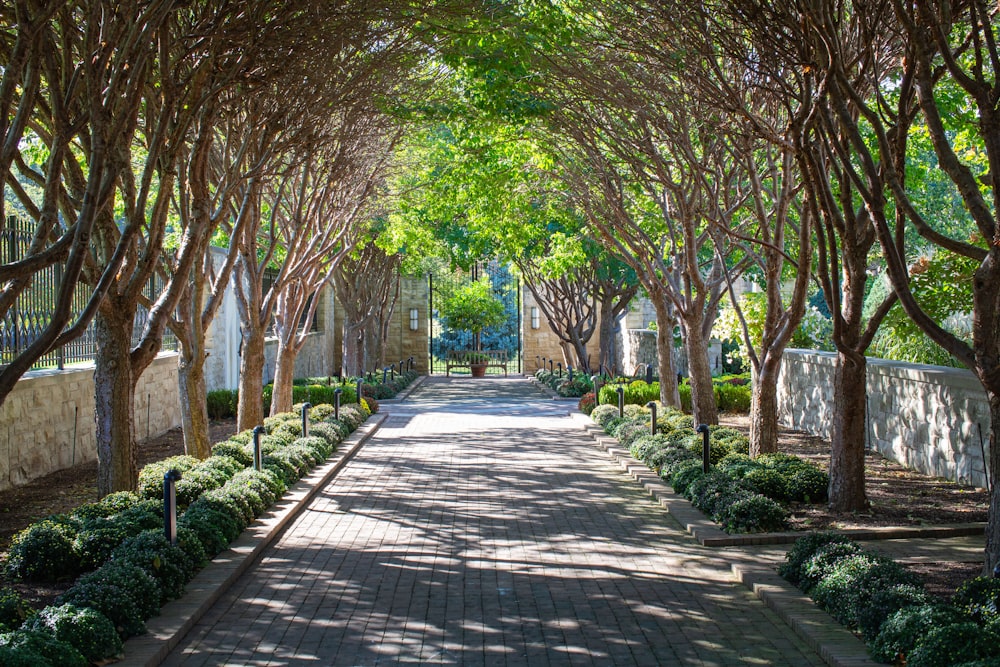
(930, 418)
(47, 422)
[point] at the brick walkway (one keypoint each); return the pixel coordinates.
(479, 527)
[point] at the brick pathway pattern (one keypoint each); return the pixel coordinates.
(479, 527)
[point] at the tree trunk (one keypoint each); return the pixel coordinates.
(284, 373)
(194, 403)
(114, 393)
(847, 442)
(700, 375)
(993, 524)
(764, 408)
(250, 411)
(606, 336)
(669, 395)
(353, 349)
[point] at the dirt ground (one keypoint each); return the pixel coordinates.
(898, 497)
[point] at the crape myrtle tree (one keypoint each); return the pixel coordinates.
(367, 287)
(74, 83)
(892, 74)
(762, 116)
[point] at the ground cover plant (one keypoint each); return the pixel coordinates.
(115, 552)
(741, 494)
(732, 392)
(898, 619)
(561, 382)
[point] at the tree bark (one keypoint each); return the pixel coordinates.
(847, 442)
(669, 395)
(284, 373)
(194, 402)
(114, 393)
(250, 411)
(764, 408)
(353, 348)
(993, 525)
(700, 374)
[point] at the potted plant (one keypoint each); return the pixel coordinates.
(473, 307)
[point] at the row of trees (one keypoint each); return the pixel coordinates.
(799, 145)
(140, 136)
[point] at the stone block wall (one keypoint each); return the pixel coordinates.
(47, 422)
(929, 418)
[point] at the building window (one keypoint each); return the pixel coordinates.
(414, 319)
(534, 318)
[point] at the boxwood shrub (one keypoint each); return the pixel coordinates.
(980, 599)
(44, 551)
(14, 609)
(124, 592)
(34, 648)
(87, 630)
(903, 629)
(168, 563)
(954, 644)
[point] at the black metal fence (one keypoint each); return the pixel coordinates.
(31, 313)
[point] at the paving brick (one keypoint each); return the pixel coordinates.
(480, 526)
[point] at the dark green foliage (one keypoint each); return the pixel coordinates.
(289, 428)
(767, 482)
(802, 552)
(190, 544)
(903, 629)
(222, 403)
(209, 474)
(317, 444)
(87, 630)
(603, 413)
(282, 467)
(122, 591)
(44, 551)
(808, 485)
(151, 475)
(38, 649)
(732, 398)
(167, 563)
(985, 662)
(113, 503)
(823, 560)
(979, 598)
(14, 610)
(884, 603)
(850, 583)
(668, 457)
(318, 413)
(234, 502)
(953, 644)
(215, 528)
(100, 536)
(685, 474)
(237, 451)
(753, 513)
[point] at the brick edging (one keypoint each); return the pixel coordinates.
(177, 617)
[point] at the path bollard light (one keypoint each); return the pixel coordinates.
(570, 369)
(596, 381)
(703, 429)
(385, 372)
(336, 402)
(621, 401)
(649, 373)
(551, 369)
(258, 459)
(996, 571)
(170, 479)
(543, 363)
(400, 366)
(652, 425)
(560, 368)
(392, 372)
(536, 362)
(305, 419)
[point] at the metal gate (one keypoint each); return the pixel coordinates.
(507, 336)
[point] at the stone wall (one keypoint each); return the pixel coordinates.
(930, 418)
(47, 422)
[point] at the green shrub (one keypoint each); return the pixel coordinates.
(33, 648)
(753, 513)
(44, 551)
(99, 537)
(628, 431)
(587, 403)
(886, 602)
(214, 527)
(122, 591)
(165, 562)
(802, 552)
(685, 474)
(87, 630)
(328, 432)
(318, 413)
(851, 582)
(113, 503)
(979, 598)
(954, 644)
(732, 398)
(668, 457)
(767, 482)
(823, 560)
(808, 484)
(716, 451)
(222, 403)
(151, 476)
(14, 610)
(234, 450)
(235, 501)
(902, 630)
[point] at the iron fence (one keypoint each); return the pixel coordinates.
(32, 311)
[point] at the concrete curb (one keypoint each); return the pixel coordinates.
(177, 617)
